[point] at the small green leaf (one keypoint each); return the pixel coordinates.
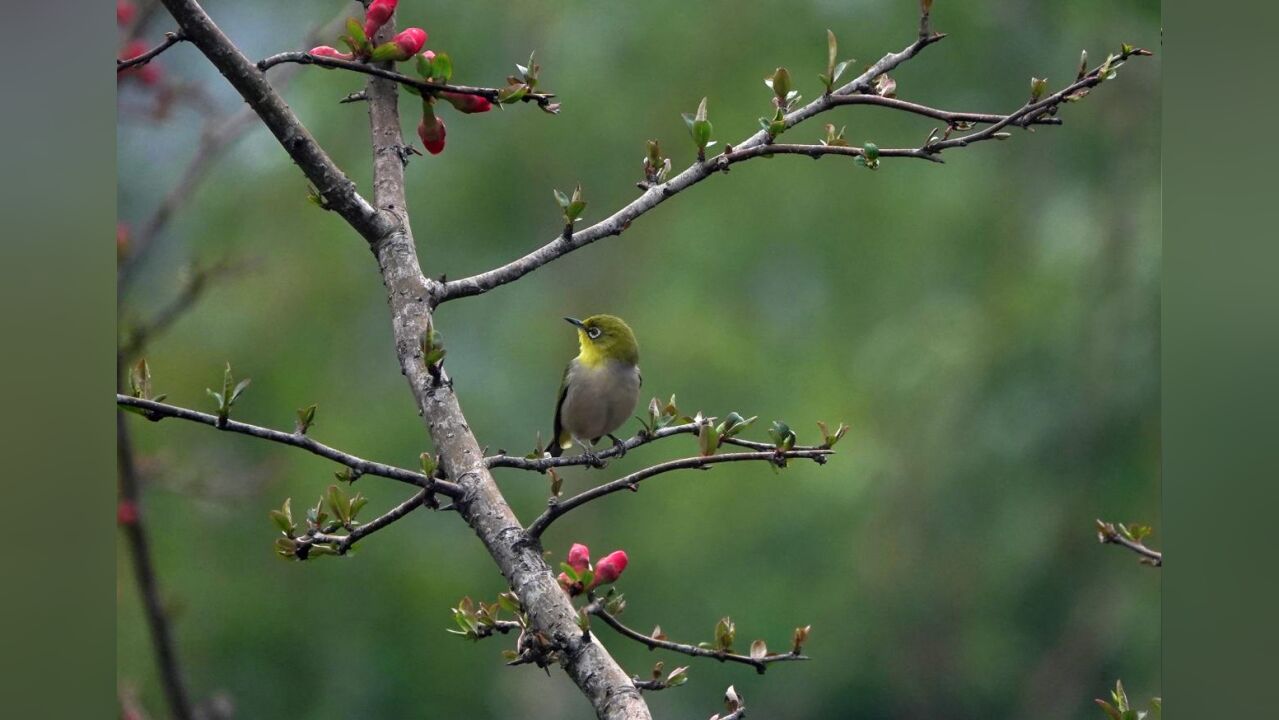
(306, 417)
(339, 504)
(561, 199)
(707, 440)
(442, 67)
(759, 650)
(1037, 88)
(423, 66)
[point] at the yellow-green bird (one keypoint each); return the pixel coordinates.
(600, 385)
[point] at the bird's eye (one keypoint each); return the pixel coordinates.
(594, 333)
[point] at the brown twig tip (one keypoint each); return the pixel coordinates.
(1131, 537)
(170, 39)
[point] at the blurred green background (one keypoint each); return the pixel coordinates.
(988, 327)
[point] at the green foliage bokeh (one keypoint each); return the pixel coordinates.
(989, 329)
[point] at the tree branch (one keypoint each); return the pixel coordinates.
(760, 664)
(214, 138)
(948, 117)
(170, 39)
(546, 462)
(130, 519)
(557, 508)
(157, 411)
(654, 196)
(1109, 534)
(337, 191)
(302, 58)
(761, 144)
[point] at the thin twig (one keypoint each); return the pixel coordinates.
(159, 411)
(945, 116)
(1031, 111)
(170, 39)
(302, 58)
(556, 508)
(760, 664)
(546, 462)
(1108, 534)
(193, 288)
(343, 543)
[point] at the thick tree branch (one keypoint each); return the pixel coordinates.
(170, 39)
(158, 411)
(551, 615)
(652, 643)
(546, 462)
(1110, 534)
(337, 191)
(542, 99)
(557, 508)
(654, 196)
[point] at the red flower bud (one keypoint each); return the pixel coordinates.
(125, 11)
(433, 136)
(330, 52)
(579, 557)
(126, 512)
(468, 103)
(121, 241)
(376, 16)
(610, 568)
(409, 42)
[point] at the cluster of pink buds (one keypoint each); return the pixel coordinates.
(579, 577)
(407, 45)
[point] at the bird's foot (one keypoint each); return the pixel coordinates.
(593, 459)
(618, 445)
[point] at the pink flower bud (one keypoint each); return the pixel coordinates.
(125, 11)
(468, 103)
(429, 55)
(330, 52)
(610, 568)
(376, 16)
(409, 42)
(579, 557)
(432, 136)
(126, 513)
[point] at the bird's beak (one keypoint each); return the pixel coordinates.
(575, 321)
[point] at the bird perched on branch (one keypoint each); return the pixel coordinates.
(600, 385)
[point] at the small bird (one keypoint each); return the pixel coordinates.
(600, 385)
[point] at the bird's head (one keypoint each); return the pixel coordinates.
(605, 337)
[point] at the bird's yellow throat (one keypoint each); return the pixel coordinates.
(589, 353)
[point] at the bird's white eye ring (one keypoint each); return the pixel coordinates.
(594, 333)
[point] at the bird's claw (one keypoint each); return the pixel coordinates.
(618, 445)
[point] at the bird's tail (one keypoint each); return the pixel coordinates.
(556, 447)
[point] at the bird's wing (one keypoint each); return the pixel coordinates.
(555, 447)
